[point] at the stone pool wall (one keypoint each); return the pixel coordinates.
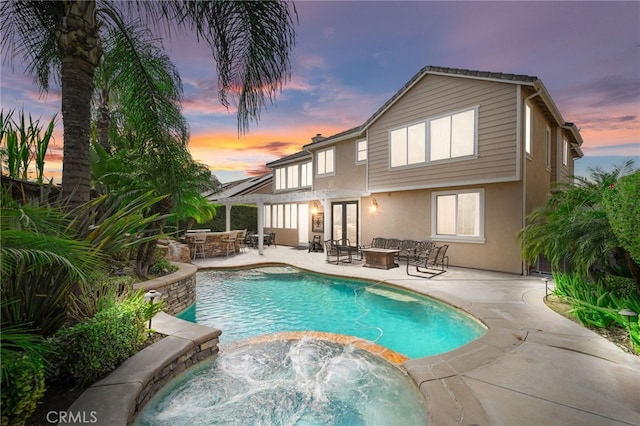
(178, 289)
(117, 399)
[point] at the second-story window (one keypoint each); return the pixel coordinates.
(528, 118)
(548, 147)
(292, 176)
(306, 174)
(325, 161)
(280, 178)
(565, 152)
(453, 135)
(407, 145)
(361, 151)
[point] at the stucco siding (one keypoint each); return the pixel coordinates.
(407, 215)
(438, 95)
(348, 174)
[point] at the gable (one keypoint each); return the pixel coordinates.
(433, 96)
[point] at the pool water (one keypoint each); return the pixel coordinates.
(252, 302)
(301, 382)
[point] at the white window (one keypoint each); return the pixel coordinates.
(565, 152)
(306, 173)
(278, 220)
(528, 118)
(548, 147)
(408, 145)
(453, 135)
(280, 179)
(267, 216)
(292, 176)
(291, 216)
(458, 215)
(361, 151)
(325, 160)
(287, 215)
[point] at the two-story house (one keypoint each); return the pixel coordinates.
(456, 156)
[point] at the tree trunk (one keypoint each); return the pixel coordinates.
(104, 121)
(80, 46)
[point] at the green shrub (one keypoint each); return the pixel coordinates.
(95, 347)
(99, 293)
(162, 267)
(591, 303)
(22, 387)
(630, 301)
(620, 286)
(242, 217)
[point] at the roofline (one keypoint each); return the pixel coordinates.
(448, 72)
(347, 134)
(293, 158)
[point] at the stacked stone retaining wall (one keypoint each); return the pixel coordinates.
(178, 289)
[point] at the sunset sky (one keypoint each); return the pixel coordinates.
(350, 57)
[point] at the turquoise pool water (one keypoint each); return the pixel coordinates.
(252, 302)
(301, 382)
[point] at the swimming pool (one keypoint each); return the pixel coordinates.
(284, 359)
(251, 302)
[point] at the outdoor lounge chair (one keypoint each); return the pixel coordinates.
(426, 263)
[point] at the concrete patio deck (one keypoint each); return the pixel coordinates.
(533, 366)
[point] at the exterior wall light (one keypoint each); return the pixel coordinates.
(374, 205)
(314, 208)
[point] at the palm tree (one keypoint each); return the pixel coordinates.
(249, 40)
(138, 89)
(573, 226)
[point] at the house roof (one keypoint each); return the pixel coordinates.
(289, 159)
(241, 187)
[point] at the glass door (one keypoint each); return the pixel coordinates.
(344, 221)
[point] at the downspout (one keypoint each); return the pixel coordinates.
(525, 268)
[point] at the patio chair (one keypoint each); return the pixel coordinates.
(426, 263)
(407, 249)
(392, 244)
(423, 246)
(378, 242)
(315, 245)
(334, 250)
(442, 257)
(270, 239)
(242, 239)
(198, 240)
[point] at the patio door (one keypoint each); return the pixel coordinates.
(344, 221)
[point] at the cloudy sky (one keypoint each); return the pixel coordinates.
(350, 57)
